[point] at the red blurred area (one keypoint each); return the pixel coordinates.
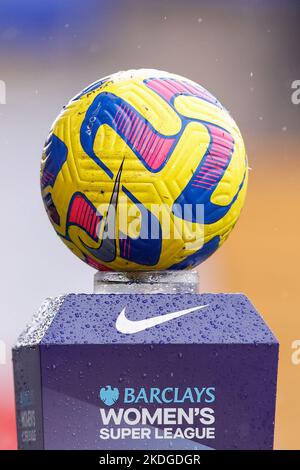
(8, 438)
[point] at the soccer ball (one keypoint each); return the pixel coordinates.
(144, 170)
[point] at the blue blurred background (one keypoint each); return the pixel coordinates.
(246, 53)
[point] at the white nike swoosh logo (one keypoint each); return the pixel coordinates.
(107, 250)
(126, 326)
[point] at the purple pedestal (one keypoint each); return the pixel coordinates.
(205, 379)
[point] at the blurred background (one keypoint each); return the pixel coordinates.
(244, 52)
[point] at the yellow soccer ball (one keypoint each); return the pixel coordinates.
(144, 170)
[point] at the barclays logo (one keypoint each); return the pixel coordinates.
(109, 395)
